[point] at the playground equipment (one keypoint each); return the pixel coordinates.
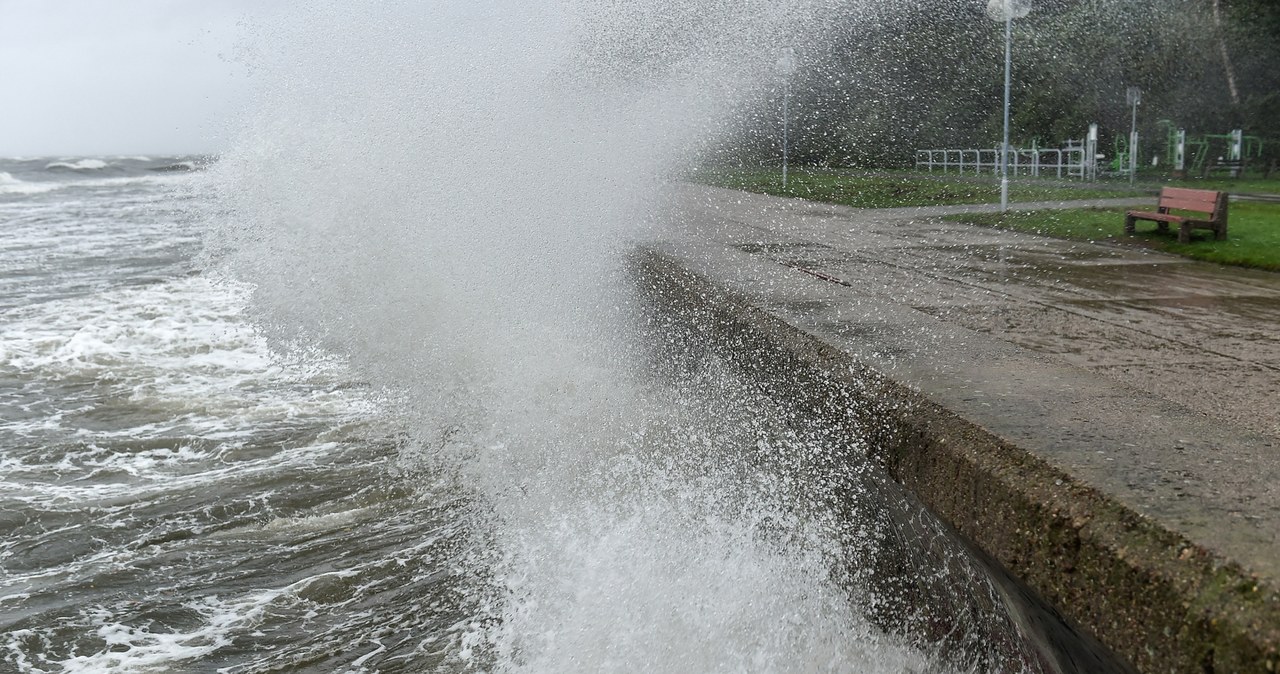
(1198, 154)
(1188, 155)
(1122, 164)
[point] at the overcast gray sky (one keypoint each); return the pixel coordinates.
(83, 77)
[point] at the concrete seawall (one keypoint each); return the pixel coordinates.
(1149, 524)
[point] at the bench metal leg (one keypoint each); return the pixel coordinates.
(1128, 224)
(1184, 233)
(1224, 207)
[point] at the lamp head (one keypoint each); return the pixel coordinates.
(1000, 10)
(786, 61)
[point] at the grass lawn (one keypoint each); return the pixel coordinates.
(1253, 232)
(880, 189)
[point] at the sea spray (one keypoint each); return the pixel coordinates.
(442, 195)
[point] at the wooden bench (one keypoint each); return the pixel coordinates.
(1208, 202)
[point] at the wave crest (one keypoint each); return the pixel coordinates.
(82, 165)
(12, 185)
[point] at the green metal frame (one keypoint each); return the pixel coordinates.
(1198, 148)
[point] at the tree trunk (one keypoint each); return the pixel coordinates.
(1226, 57)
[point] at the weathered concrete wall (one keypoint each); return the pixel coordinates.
(1148, 593)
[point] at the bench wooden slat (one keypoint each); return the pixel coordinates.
(1165, 217)
(1204, 196)
(1185, 205)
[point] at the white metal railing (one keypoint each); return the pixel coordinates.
(1069, 161)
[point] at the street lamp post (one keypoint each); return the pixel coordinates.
(1134, 97)
(1006, 11)
(786, 68)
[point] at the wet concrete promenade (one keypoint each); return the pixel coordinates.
(1102, 420)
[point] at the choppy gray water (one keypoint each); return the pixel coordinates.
(177, 496)
(172, 495)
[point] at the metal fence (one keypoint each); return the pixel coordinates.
(1069, 161)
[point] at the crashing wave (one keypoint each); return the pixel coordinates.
(11, 185)
(178, 166)
(82, 165)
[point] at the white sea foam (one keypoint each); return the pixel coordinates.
(131, 648)
(145, 477)
(181, 343)
(12, 185)
(183, 324)
(180, 352)
(699, 592)
(176, 178)
(322, 522)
